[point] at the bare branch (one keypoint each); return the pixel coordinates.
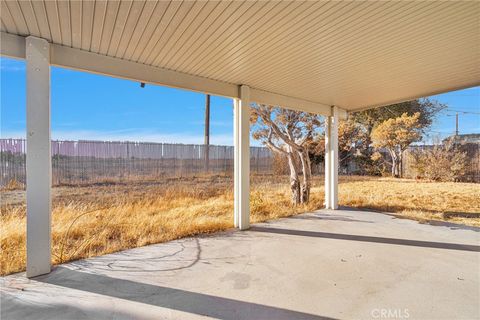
(272, 146)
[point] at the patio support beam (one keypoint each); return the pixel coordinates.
(242, 159)
(275, 99)
(331, 159)
(39, 167)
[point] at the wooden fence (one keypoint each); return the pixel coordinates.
(83, 162)
(76, 162)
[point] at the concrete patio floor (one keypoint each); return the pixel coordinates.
(345, 264)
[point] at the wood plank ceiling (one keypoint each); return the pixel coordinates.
(350, 54)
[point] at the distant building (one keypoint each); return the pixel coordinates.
(465, 138)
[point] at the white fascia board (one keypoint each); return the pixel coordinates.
(12, 46)
(287, 102)
(96, 63)
(71, 58)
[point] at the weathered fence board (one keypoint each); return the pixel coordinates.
(98, 161)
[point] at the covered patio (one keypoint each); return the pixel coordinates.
(328, 58)
(329, 264)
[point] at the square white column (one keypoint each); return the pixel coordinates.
(327, 158)
(334, 159)
(39, 167)
(242, 159)
(236, 157)
(331, 159)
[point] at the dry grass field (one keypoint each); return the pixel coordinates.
(103, 218)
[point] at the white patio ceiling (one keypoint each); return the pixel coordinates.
(353, 55)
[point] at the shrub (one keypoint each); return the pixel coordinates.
(442, 162)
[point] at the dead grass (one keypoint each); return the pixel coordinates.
(419, 200)
(94, 220)
(13, 184)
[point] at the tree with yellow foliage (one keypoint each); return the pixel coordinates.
(395, 135)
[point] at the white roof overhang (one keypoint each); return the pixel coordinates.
(303, 55)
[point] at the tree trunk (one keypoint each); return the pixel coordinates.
(307, 175)
(294, 181)
(295, 187)
(395, 163)
(400, 165)
(395, 167)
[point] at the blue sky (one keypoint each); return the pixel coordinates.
(467, 103)
(88, 106)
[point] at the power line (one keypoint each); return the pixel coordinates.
(442, 132)
(462, 111)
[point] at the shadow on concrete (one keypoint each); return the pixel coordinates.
(15, 309)
(391, 211)
(437, 223)
(319, 216)
(352, 237)
(182, 300)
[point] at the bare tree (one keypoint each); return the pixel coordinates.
(289, 133)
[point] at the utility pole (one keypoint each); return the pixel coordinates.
(207, 131)
(456, 124)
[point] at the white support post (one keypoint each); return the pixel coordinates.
(334, 158)
(328, 167)
(242, 159)
(236, 157)
(39, 168)
(331, 159)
